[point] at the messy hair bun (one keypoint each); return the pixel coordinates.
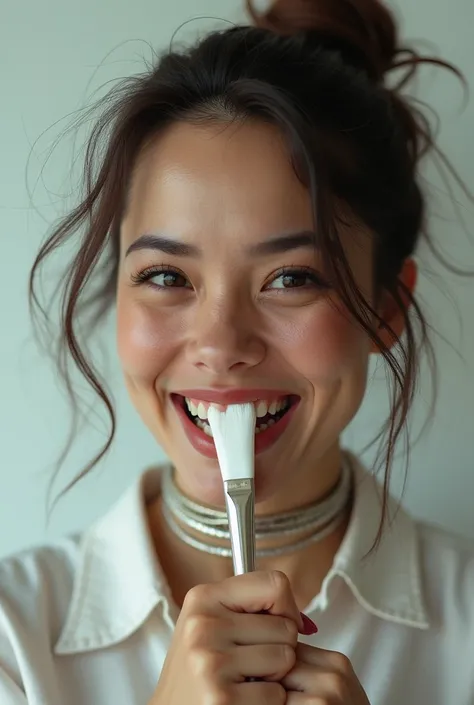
(363, 30)
(365, 34)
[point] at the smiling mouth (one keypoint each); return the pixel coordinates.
(268, 413)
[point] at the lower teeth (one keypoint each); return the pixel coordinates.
(203, 426)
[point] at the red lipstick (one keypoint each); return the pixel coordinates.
(204, 444)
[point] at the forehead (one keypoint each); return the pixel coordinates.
(220, 176)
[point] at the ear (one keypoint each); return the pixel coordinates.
(393, 319)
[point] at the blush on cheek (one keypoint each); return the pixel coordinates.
(324, 344)
(145, 342)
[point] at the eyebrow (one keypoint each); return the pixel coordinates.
(285, 243)
(305, 239)
(164, 244)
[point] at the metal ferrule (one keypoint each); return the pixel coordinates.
(240, 502)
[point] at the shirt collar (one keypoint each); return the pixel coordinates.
(119, 582)
(387, 580)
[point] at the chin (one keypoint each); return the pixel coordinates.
(204, 484)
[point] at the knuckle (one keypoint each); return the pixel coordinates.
(337, 687)
(279, 659)
(292, 629)
(280, 582)
(205, 664)
(196, 597)
(340, 662)
(269, 694)
(288, 657)
(197, 628)
(216, 696)
(278, 695)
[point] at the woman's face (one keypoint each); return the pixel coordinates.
(221, 297)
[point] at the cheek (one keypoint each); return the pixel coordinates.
(324, 345)
(146, 339)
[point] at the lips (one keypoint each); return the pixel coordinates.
(279, 407)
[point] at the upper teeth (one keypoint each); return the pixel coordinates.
(262, 407)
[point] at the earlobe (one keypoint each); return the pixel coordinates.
(392, 323)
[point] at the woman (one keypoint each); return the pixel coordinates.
(254, 211)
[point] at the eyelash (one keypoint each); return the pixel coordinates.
(147, 274)
(316, 279)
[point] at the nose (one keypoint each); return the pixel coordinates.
(224, 341)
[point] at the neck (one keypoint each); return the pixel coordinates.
(185, 567)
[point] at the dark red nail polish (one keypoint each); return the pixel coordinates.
(309, 626)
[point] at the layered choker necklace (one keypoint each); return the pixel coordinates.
(205, 528)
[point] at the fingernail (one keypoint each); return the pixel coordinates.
(309, 626)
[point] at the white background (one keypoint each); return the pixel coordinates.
(53, 56)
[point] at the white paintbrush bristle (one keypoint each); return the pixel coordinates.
(234, 436)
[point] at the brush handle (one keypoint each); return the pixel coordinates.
(239, 497)
(240, 503)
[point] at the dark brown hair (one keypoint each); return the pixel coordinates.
(317, 69)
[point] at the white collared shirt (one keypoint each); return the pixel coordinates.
(88, 620)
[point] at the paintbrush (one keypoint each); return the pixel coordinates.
(233, 430)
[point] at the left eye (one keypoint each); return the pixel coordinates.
(294, 280)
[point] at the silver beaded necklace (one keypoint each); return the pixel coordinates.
(315, 521)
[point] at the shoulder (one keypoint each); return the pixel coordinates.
(447, 563)
(35, 592)
(443, 550)
(29, 564)
(36, 587)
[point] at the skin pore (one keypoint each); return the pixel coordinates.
(231, 311)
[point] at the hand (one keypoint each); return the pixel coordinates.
(322, 677)
(220, 641)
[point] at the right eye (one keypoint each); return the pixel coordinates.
(162, 278)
